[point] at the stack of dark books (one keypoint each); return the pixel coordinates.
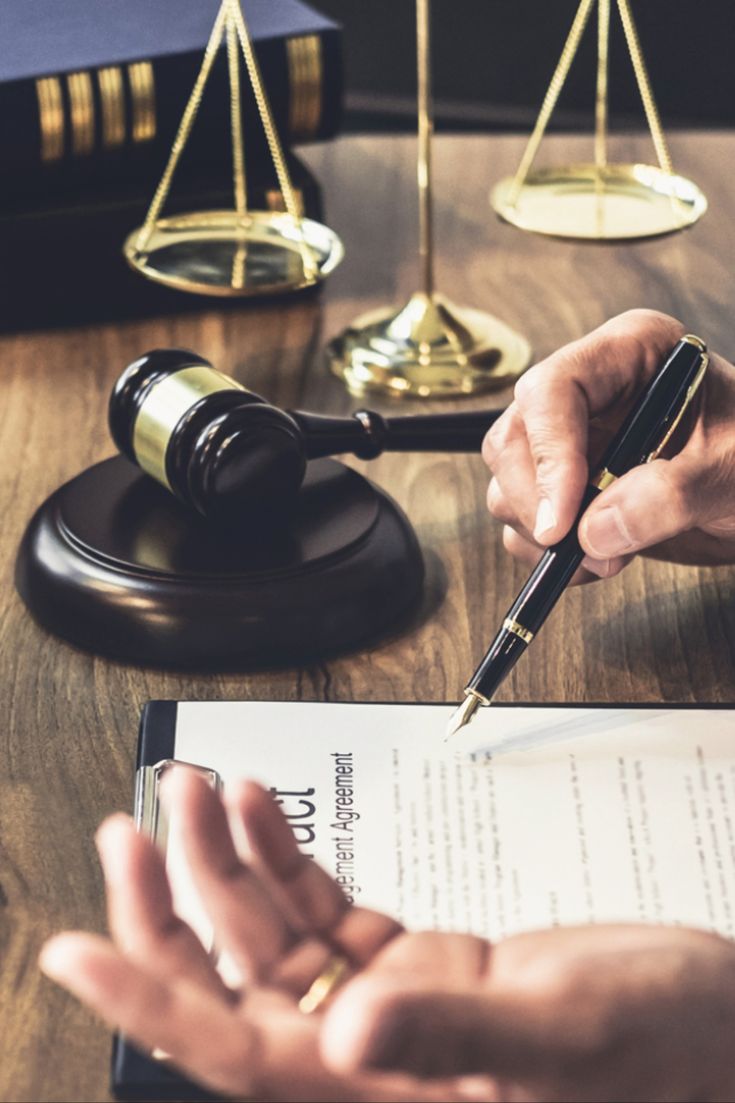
(91, 95)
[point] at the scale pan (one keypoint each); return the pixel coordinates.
(616, 203)
(223, 253)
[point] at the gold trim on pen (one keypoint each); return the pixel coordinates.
(143, 101)
(517, 630)
(603, 478)
(692, 339)
(50, 118)
(112, 100)
(81, 110)
(483, 700)
(691, 391)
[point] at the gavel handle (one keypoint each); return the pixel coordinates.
(367, 434)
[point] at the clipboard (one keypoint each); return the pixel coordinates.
(135, 1075)
(228, 739)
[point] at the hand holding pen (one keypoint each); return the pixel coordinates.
(569, 408)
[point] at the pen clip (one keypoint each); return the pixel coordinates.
(688, 397)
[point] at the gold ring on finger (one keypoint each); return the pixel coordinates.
(331, 976)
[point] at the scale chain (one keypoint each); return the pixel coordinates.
(644, 87)
(182, 135)
(274, 144)
(552, 95)
(601, 96)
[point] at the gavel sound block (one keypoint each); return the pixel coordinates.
(269, 554)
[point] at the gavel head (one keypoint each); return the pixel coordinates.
(217, 446)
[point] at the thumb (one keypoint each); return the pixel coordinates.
(430, 1034)
(649, 504)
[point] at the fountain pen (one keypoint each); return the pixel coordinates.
(640, 439)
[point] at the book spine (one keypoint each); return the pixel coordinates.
(118, 123)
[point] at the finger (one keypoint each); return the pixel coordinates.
(591, 569)
(199, 1031)
(411, 960)
(649, 504)
(613, 362)
(374, 1025)
(558, 397)
(556, 418)
(271, 1054)
(140, 910)
(507, 454)
(247, 922)
(314, 900)
(501, 508)
(296, 971)
(517, 505)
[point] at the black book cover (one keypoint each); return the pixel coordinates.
(92, 91)
(63, 261)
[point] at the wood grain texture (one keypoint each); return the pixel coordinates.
(67, 739)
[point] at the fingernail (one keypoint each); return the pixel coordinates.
(169, 787)
(109, 840)
(545, 518)
(606, 534)
(110, 832)
(59, 961)
(56, 959)
(52, 960)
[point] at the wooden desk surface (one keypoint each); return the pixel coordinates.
(69, 720)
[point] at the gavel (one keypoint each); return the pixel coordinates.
(222, 449)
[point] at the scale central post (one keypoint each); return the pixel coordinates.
(427, 348)
(426, 126)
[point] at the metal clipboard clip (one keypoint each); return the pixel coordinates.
(151, 819)
(150, 815)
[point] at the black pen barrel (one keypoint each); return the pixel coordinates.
(546, 583)
(551, 575)
(505, 651)
(658, 410)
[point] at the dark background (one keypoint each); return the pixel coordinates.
(493, 60)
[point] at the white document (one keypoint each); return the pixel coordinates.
(531, 817)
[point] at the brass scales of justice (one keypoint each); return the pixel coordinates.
(235, 252)
(428, 347)
(600, 200)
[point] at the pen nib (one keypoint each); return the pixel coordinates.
(463, 714)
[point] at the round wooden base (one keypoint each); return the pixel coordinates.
(113, 563)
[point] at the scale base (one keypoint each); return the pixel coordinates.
(429, 348)
(114, 564)
(225, 254)
(620, 202)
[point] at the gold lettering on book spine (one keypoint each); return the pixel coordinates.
(305, 80)
(143, 100)
(51, 118)
(81, 110)
(112, 99)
